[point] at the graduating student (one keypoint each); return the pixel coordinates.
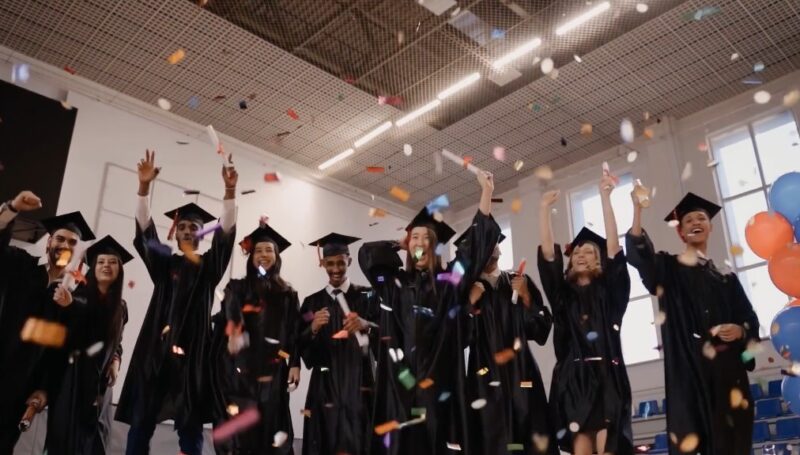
(94, 321)
(420, 378)
(515, 418)
(335, 346)
(167, 376)
(261, 364)
(590, 395)
(709, 323)
(28, 287)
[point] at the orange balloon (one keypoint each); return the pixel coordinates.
(766, 233)
(784, 269)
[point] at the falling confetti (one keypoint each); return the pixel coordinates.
(642, 8)
(63, 258)
(632, 155)
(591, 336)
(283, 354)
(177, 350)
(193, 102)
(400, 193)
(736, 250)
(626, 131)
(176, 57)
(516, 205)
(376, 169)
(20, 72)
(272, 177)
(292, 114)
(377, 213)
(734, 56)
(499, 153)
(791, 98)
(504, 356)
(407, 150)
(407, 379)
(547, 65)
(758, 67)
(239, 423)
(233, 409)
(518, 165)
(648, 133)
(574, 427)
(543, 172)
(703, 13)
(762, 97)
(686, 174)
(279, 439)
(425, 383)
(586, 129)
(94, 348)
(243, 104)
(43, 333)
(526, 384)
(563, 142)
(70, 70)
(164, 103)
(689, 443)
(577, 58)
(385, 428)
(340, 335)
(478, 404)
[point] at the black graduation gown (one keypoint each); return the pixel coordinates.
(161, 382)
(257, 376)
(424, 317)
(698, 389)
(590, 384)
(338, 403)
(78, 395)
(516, 402)
(24, 293)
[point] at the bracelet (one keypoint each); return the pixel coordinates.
(10, 205)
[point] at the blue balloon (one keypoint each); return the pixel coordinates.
(784, 196)
(785, 332)
(796, 226)
(790, 390)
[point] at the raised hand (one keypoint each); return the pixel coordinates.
(607, 184)
(147, 169)
(230, 176)
(26, 201)
(549, 198)
(62, 296)
(321, 318)
(486, 180)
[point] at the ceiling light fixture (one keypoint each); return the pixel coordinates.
(432, 105)
(458, 85)
(335, 159)
(583, 18)
(517, 53)
(372, 134)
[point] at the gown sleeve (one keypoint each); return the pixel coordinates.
(552, 275)
(642, 255)
(538, 320)
(233, 304)
(145, 242)
(306, 341)
(294, 329)
(474, 252)
(118, 350)
(745, 316)
(618, 283)
(217, 258)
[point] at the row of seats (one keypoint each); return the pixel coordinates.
(784, 429)
(773, 390)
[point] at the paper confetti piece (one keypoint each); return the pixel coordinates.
(376, 169)
(384, 428)
(516, 205)
(689, 443)
(94, 348)
(591, 336)
(407, 379)
(478, 404)
(518, 165)
(407, 150)
(425, 383)
(547, 65)
(63, 258)
(686, 174)
(483, 371)
(248, 308)
(632, 155)
(791, 98)
(499, 153)
(20, 72)
(176, 57)
(758, 67)
(439, 203)
(762, 97)
(377, 213)
(292, 114)
(70, 70)
(279, 439)
(586, 129)
(526, 384)
(272, 177)
(341, 335)
(626, 131)
(243, 104)
(177, 350)
(232, 409)
(418, 411)
(400, 193)
(164, 103)
(504, 356)
(239, 423)
(648, 133)
(44, 333)
(736, 250)
(543, 172)
(283, 354)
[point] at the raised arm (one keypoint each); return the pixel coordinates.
(612, 236)
(25, 201)
(146, 240)
(545, 224)
(486, 179)
(538, 320)
(474, 252)
(641, 253)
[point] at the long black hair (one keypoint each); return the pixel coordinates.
(113, 298)
(273, 280)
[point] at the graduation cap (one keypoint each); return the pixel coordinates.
(463, 237)
(264, 233)
(443, 232)
(191, 212)
(73, 222)
(334, 244)
(107, 245)
(692, 203)
(584, 236)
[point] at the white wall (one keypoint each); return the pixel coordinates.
(659, 165)
(100, 181)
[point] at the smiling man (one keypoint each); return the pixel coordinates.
(167, 377)
(334, 346)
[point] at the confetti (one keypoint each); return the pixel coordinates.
(591, 336)
(577, 58)
(401, 37)
(483, 371)
(516, 205)
(541, 442)
(239, 423)
(377, 213)
(586, 129)
(63, 258)
(642, 8)
(384, 428)
(425, 383)
(660, 318)
(165, 330)
(43, 333)
(438, 203)
(164, 103)
(762, 97)
(292, 114)
(444, 396)
(232, 409)
(543, 172)
(272, 177)
(703, 13)
(271, 340)
(518, 165)
(20, 72)
(626, 131)
(177, 350)
(478, 404)
(407, 150)
(526, 384)
(94, 348)
(758, 67)
(561, 433)
(791, 98)
(673, 223)
(632, 155)
(399, 193)
(547, 65)
(736, 398)
(390, 100)
(70, 70)
(340, 335)
(407, 379)
(499, 153)
(504, 356)
(686, 174)
(243, 104)
(648, 133)
(279, 439)
(193, 102)
(517, 344)
(563, 142)
(176, 57)
(418, 411)
(283, 354)
(689, 443)
(574, 427)
(494, 384)
(734, 56)
(736, 250)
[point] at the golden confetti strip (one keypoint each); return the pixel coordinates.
(43, 333)
(400, 193)
(516, 205)
(689, 443)
(377, 213)
(283, 354)
(543, 172)
(176, 57)
(63, 258)
(586, 129)
(483, 371)
(518, 165)
(736, 398)
(737, 250)
(648, 133)
(526, 384)
(384, 428)
(233, 409)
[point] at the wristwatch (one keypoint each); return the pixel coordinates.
(10, 205)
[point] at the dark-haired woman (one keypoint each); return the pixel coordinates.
(81, 391)
(259, 363)
(590, 397)
(419, 399)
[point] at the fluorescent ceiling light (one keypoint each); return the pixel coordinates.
(432, 105)
(583, 18)
(517, 53)
(459, 85)
(372, 134)
(335, 159)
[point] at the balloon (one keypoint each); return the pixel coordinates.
(785, 332)
(795, 302)
(783, 196)
(784, 269)
(790, 389)
(797, 229)
(767, 232)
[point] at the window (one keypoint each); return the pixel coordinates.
(750, 158)
(506, 261)
(639, 334)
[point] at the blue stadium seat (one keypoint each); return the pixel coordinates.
(664, 406)
(760, 432)
(661, 444)
(774, 388)
(787, 429)
(756, 391)
(768, 408)
(648, 408)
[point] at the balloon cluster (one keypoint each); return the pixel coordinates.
(774, 236)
